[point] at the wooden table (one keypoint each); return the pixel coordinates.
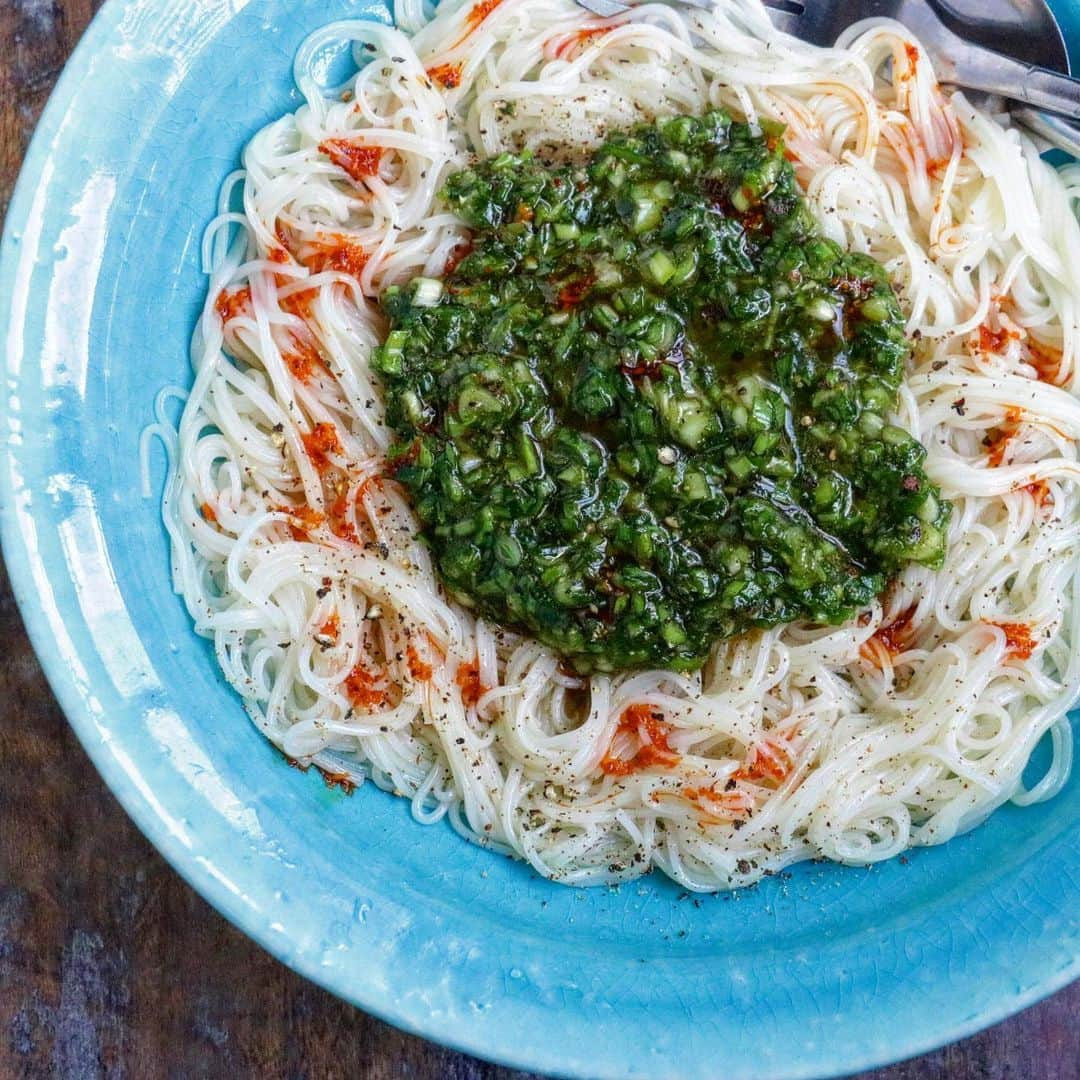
(111, 966)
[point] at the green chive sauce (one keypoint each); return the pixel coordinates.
(648, 409)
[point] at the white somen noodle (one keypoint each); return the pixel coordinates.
(302, 561)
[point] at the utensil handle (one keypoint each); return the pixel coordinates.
(1056, 130)
(1040, 88)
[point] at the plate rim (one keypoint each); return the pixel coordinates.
(535, 1054)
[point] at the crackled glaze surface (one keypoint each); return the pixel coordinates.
(800, 977)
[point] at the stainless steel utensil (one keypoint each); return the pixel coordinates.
(958, 60)
(1026, 30)
(1009, 48)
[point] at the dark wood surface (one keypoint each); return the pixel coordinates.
(110, 966)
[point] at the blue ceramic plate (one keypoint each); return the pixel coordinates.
(829, 971)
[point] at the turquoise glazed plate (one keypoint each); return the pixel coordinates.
(822, 972)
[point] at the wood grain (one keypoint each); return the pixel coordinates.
(110, 966)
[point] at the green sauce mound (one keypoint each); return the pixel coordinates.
(648, 409)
